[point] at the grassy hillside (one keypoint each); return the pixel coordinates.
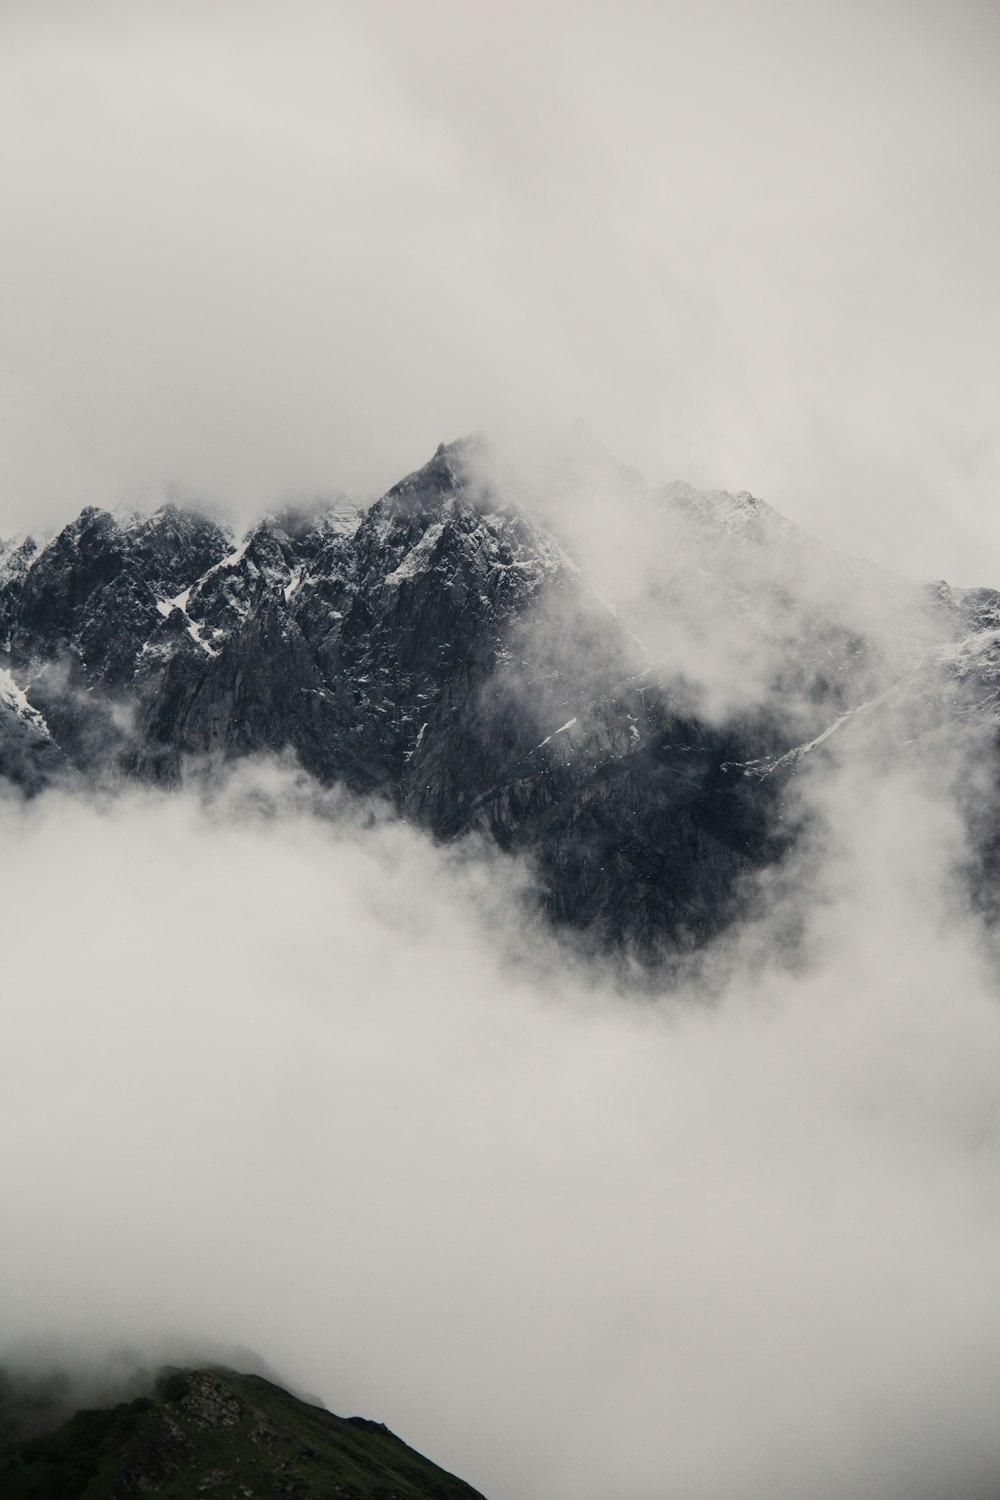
(224, 1436)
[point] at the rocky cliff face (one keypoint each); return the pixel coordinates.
(443, 651)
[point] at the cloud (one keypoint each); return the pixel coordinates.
(308, 1084)
(257, 249)
(735, 609)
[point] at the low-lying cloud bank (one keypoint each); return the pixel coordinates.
(311, 1085)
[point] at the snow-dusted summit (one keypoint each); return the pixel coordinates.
(442, 650)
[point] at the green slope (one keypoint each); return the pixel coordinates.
(223, 1436)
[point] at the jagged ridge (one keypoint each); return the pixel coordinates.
(442, 651)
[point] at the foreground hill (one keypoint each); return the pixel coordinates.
(227, 1437)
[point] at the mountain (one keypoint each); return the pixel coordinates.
(224, 1435)
(445, 651)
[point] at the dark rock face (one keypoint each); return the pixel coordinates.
(91, 593)
(443, 651)
(31, 759)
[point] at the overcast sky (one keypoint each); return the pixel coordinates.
(252, 248)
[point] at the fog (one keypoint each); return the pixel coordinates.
(254, 249)
(721, 596)
(279, 1073)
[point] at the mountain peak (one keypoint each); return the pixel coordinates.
(449, 469)
(445, 654)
